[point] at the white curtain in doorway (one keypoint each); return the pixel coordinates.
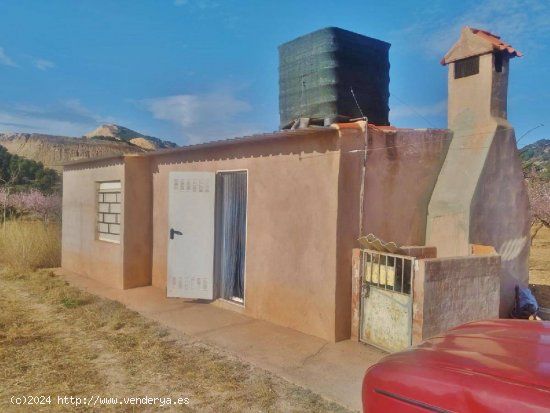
(232, 232)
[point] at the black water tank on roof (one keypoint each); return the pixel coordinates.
(317, 71)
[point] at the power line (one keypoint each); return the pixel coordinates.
(413, 109)
(356, 102)
(528, 132)
(416, 144)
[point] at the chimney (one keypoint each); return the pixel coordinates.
(478, 78)
(318, 71)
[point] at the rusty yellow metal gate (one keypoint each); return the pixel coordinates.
(386, 300)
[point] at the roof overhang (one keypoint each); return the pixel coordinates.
(477, 42)
(321, 131)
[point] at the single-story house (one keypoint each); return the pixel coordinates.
(266, 224)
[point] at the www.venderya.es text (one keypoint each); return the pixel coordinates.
(95, 400)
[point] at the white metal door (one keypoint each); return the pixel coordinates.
(191, 235)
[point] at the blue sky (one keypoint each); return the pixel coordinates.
(198, 70)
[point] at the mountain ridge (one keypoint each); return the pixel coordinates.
(111, 131)
(54, 150)
(535, 158)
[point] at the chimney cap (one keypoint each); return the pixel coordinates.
(475, 42)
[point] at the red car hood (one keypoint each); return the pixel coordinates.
(485, 366)
(513, 350)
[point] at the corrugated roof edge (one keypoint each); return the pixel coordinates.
(212, 144)
(93, 160)
(395, 129)
(358, 125)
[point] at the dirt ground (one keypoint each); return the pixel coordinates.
(539, 267)
(56, 340)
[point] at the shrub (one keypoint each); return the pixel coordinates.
(539, 197)
(25, 173)
(32, 204)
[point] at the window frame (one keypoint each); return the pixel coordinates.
(466, 67)
(114, 209)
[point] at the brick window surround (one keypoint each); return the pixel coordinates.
(109, 198)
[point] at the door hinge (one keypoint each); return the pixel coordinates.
(365, 288)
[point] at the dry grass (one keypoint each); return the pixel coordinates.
(30, 244)
(58, 340)
(539, 267)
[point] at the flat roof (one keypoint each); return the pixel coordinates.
(285, 133)
(312, 130)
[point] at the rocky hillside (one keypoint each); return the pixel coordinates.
(111, 132)
(536, 159)
(106, 140)
(52, 151)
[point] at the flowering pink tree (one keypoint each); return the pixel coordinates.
(539, 197)
(33, 204)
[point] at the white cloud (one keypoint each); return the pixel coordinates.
(188, 110)
(43, 64)
(403, 111)
(519, 22)
(75, 107)
(67, 118)
(5, 59)
(18, 122)
(203, 117)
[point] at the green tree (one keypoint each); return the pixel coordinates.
(22, 174)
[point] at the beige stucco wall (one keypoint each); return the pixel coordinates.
(349, 187)
(470, 97)
(402, 169)
(446, 292)
(138, 206)
(474, 130)
(121, 265)
(451, 291)
(303, 215)
(480, 196)
(82, 252)
(290, 274)
(499, 214)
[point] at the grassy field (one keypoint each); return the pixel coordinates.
(539, 267)
(30, 245)
(57, 340)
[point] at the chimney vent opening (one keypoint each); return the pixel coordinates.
(467, 67)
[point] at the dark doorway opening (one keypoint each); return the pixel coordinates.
(231, 197)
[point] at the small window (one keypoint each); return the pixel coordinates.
(108, 211)
(467, 67)
(498, 62)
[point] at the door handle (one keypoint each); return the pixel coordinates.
(174, 232)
